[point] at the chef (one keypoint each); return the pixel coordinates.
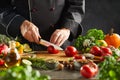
(57, 21)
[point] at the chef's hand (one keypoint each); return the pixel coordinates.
(30, 32)
(60, 36)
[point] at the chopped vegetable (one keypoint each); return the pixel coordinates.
(26, 48)
(51, 64)
(26, 62)
(38, 63)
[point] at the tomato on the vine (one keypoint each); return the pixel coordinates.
(70, 51)
(52, 50)
(89, 70)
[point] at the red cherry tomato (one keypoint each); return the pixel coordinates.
(82, 57)
(1, 62)
(106, 51)
(3, 49)
(70, 51)
(95, 50)
(89, 70)
(52, 50)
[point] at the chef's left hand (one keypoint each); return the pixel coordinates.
(60, 36)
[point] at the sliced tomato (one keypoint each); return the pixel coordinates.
(52, 50)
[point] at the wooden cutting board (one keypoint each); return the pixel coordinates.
(45, 55)
(59, 57)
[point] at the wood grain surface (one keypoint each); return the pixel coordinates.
(45, 55)
(58, 57)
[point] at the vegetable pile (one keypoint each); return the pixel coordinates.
(84, 42)
(88, 48)
(105, 48)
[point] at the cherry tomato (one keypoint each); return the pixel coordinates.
(79, 57)
(106, 51)
(1, 62)
(70, 51)
(95, 50)
(3, 49)
(52, 50)
(89, 70)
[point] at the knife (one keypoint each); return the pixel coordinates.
(47, 43)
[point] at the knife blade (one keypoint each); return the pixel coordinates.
(47, 43)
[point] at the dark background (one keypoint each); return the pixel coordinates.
(102, 14)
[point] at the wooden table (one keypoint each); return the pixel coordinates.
(62, 75)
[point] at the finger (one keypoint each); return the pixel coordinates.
(35, 36)
(59, 40)
(28, 36)
(62, 41)
(38, 34)
(54, 37)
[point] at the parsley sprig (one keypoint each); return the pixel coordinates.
(109, 69)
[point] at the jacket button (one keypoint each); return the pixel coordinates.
(52, 9)
(33, 10)
(51, 25)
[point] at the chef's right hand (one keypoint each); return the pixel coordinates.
(30, 32)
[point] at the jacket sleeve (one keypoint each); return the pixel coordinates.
(10, 20)
(72, 16)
